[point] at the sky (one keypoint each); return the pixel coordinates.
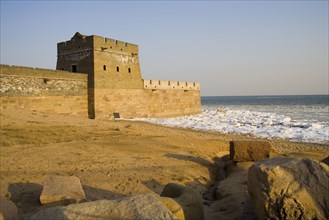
(232, 48)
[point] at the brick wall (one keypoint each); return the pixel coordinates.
(132, 103)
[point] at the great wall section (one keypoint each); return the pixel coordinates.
(96, 77)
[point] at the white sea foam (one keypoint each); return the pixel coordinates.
(261, 124)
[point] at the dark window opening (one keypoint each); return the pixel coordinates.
(117, 69)
(74, 68)
(104, 67)
(129, 70)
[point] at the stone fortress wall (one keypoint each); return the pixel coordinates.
(97, 77)
(43, 90)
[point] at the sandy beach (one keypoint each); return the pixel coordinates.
(114, 159)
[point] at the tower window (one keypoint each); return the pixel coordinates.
(117, 69)
(129, 70)
(104, 67)
(74, 68)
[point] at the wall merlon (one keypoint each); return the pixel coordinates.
(170, 85)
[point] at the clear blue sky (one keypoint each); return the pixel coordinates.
(231, 48)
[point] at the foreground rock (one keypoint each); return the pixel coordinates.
(187, 198)
(243, 151)
(8, 210)
(62, 190)
(143, 206)
(289, 188)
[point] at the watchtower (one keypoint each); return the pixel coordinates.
(109, 63)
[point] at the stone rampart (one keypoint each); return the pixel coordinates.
(43, 89)
(66, 92)
(137, 103)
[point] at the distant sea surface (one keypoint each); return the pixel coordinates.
(301, 107)
(295, 118)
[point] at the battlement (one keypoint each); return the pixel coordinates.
(170, 85)
(110, 45)
(81, 42)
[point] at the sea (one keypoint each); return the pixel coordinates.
(303, 118)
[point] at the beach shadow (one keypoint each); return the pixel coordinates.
(211, 166)
(93, 194)
(25, 196)
(153, 185)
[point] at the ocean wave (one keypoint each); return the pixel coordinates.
(261, 124)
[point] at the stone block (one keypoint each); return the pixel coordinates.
(189, 199)
(62, 190)
(8, 210)
(242, 151)
(289, 188)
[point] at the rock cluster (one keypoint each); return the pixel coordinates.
(143, 206)
(64, 199)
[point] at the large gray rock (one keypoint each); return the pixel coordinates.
(243, 151)
(62, 190)
(8, 210)
(289, 188)
(189, 199)
(143, 206)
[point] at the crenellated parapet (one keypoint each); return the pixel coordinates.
(111, 45)
(171, 85)
(81, 42)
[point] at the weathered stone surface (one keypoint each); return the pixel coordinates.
(143, 206)
(8, 210)
(242, 151)
(174, 207)
(187, 198)
(289, 188)
(62, 190)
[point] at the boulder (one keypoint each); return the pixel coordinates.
(243, 151)
(62, 190)
(289, 188)
(189, 199)
(8, 210)
(143, 206)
